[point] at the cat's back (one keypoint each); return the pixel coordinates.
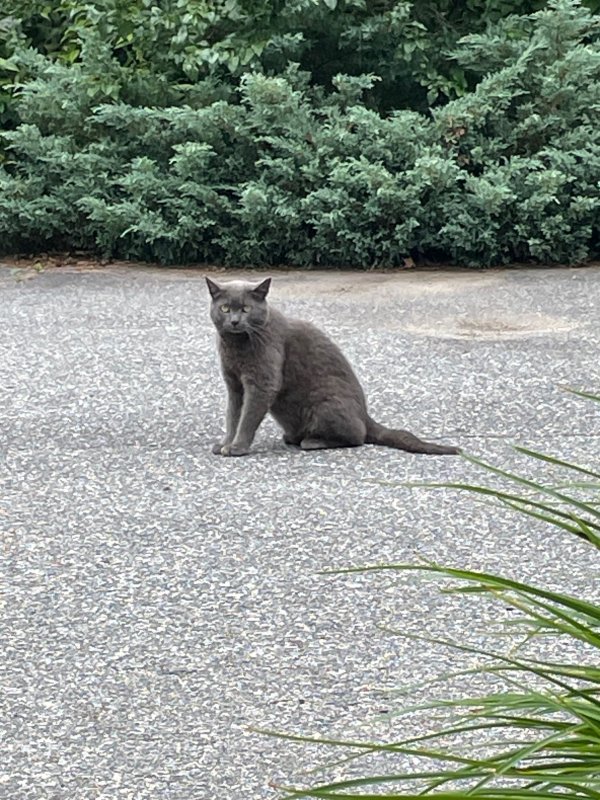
(313, 360)
(305, 337)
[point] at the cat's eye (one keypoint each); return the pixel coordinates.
(245, 309)
(224, 308)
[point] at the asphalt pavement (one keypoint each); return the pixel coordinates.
(159, 602)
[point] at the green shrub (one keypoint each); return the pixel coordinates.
(406, 43)
(279, 171)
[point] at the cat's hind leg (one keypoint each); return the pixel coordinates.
(325, 444)
(316, 444)
(333, 426)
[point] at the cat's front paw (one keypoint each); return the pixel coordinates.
(217, 448)
(234, 450)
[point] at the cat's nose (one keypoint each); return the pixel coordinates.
(235, 322)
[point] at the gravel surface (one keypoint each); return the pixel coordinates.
(159, 601)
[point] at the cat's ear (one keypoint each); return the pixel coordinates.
(262, 289)
(213, 287)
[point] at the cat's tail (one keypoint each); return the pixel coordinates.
(403, 440)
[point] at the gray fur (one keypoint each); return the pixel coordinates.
(292, 369)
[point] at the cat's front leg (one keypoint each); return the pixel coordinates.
(254, 408)
(235, 399)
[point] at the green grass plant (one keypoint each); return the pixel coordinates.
(538, 735)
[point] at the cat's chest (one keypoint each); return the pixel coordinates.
(246, 361)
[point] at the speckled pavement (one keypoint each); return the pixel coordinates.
(157, 601)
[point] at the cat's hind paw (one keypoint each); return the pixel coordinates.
(234, 450)
(217, 448)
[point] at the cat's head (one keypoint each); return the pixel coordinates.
(239, 307)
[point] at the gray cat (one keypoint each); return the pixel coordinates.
(292, 369)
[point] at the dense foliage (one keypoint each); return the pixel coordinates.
(311, 132)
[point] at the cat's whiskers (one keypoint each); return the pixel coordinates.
(257, 332)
